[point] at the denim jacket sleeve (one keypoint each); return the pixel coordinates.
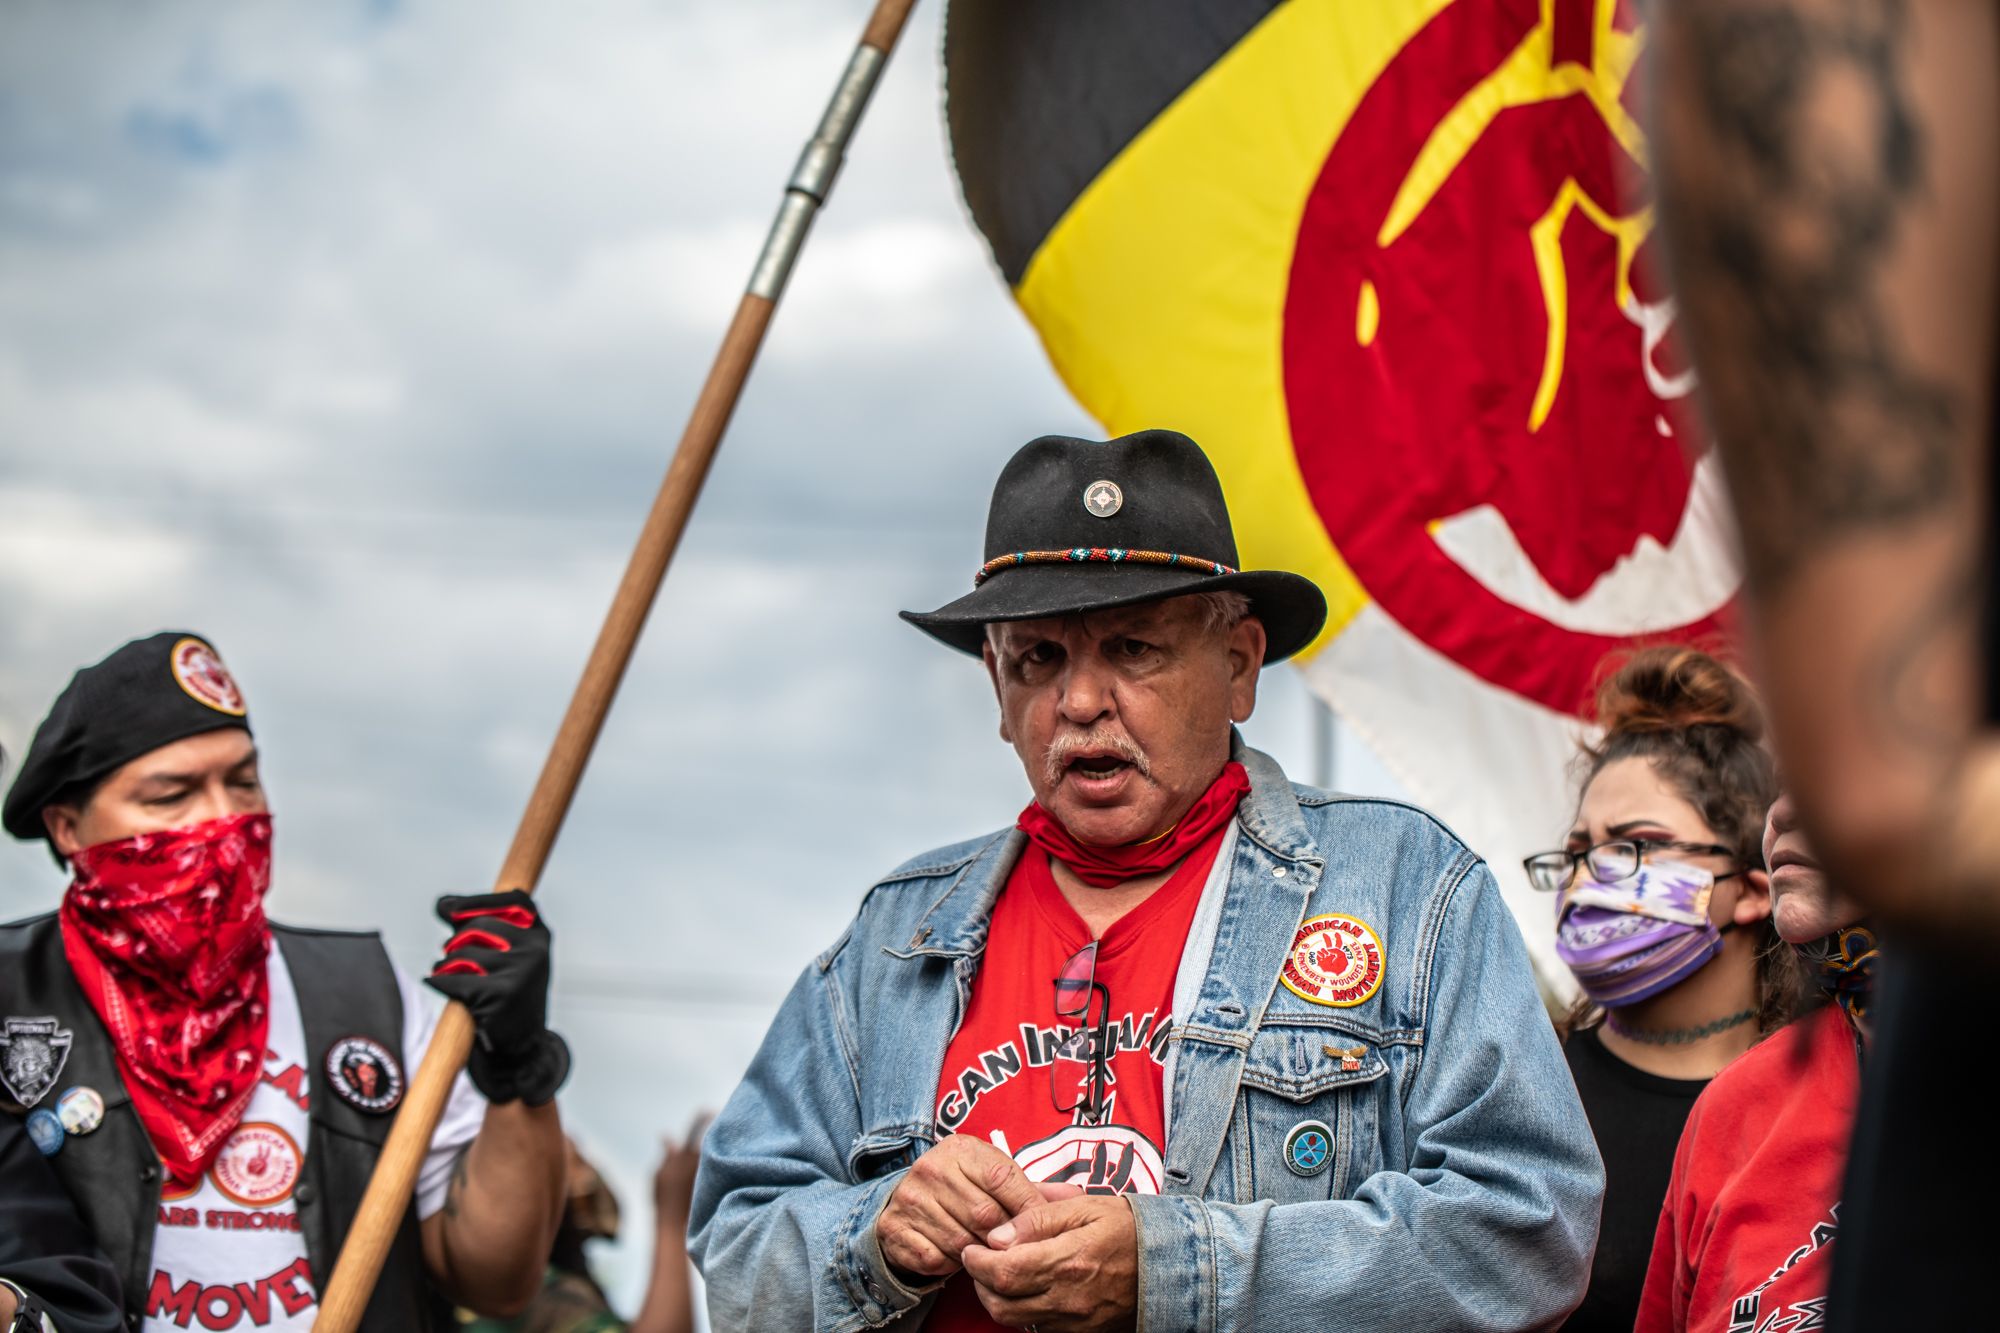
(783, 1224)
(1492, 1224)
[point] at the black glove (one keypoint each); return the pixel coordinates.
(497, 965)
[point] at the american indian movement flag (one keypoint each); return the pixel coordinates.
(1392, 262)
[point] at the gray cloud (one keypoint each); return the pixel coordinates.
(357, 338)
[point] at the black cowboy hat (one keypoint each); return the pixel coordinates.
(1077, 526)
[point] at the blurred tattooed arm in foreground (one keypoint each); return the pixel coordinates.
(1829, 196)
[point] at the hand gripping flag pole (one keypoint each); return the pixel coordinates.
(389, 1191)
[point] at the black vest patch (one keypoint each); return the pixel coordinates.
(346, 987)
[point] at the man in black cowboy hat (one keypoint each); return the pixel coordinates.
(1189, 1046)
(213, 1090)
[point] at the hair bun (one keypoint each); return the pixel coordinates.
(1671, 687)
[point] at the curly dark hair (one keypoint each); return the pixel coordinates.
(1701, 726)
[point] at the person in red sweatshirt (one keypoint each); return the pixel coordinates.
(1745, 1241)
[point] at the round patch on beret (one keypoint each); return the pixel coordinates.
(200, 672)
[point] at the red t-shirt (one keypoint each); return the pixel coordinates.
(997, 1071)
(1745, 1242)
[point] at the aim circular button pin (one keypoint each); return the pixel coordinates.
(45, 1131)
(1309, 1148)
(1103, 498)
(81, 1110)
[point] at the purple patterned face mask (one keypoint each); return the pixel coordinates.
(1633, 939)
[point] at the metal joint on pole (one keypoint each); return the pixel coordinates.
(819, 164)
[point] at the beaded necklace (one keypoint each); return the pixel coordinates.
(1678, 1036)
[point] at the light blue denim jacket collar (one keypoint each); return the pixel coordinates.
(957, 923)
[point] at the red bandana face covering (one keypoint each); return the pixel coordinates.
(166, 935)
(1101, 867)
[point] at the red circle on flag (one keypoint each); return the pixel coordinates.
(1429, 412)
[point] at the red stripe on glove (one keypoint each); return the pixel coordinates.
(485, 939)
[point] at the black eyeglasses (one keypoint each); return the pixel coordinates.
(1610, 862)
(1077, 1071)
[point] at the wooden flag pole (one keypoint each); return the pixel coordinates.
(394, 1181)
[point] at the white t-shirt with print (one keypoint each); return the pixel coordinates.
(229, 1254)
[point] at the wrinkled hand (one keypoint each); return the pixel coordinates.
(497, 965)
(954, 1194)
(1063, 1266)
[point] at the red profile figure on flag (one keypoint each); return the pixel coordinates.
(1394, 263)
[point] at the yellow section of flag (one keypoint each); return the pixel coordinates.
(1212, 194)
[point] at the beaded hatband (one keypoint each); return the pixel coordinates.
(1083, 555)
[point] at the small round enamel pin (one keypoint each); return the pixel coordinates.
(81, 1110)
(45, 1131)
(363, 1074)
(1309, 1148)
(1103, 498)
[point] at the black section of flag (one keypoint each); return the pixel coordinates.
(1041, 95)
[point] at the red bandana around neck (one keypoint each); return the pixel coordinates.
(167, 937)
(1101, 867)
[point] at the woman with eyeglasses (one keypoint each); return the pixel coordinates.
(1663, 914)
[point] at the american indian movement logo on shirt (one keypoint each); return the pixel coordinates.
(1091, 1151)
(1745, 1312)
(259, 1165)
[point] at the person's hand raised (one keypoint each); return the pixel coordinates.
(673, 1183)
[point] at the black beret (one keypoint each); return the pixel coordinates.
(151, 692)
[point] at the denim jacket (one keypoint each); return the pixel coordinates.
(1465, 1184)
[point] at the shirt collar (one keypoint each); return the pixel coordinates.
(956, 924)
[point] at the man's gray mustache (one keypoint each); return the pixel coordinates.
(1065, 748)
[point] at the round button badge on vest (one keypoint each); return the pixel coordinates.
(81, 1110)
(45, 1131)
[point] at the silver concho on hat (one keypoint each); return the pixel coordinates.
(32, 1054)
(1103, 498)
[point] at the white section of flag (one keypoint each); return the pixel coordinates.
(1496, 768)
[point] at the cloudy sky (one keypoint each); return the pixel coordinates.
(356, 336)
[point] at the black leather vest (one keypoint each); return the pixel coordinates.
(345, 987)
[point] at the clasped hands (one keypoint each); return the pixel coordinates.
(1044, 1256)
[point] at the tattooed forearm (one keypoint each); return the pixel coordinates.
(1790, 158)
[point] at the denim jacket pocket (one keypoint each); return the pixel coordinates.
(882, 1151)
(1306, 1107)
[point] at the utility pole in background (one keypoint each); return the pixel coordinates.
(1326, 754)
